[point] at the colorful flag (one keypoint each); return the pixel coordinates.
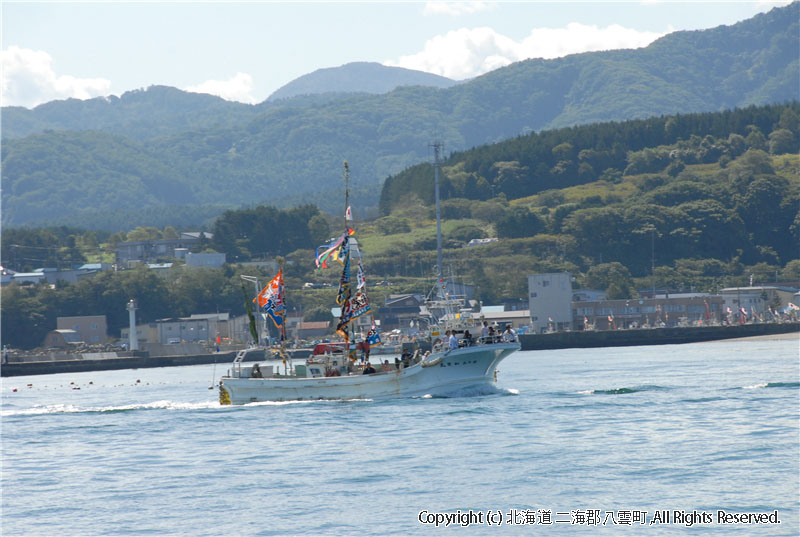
(270, 299)
(793, 307)
(327, 250)
(361, 277)
(373, 338)
(348, 214)
(344, 292)
(359, 305)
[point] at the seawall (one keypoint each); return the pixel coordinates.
(137, 360)
(650, 336)
(15, 369)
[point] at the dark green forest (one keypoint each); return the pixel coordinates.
(739, 204)
(101, 162)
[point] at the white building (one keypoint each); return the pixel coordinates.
(759, 298)
(550, 299)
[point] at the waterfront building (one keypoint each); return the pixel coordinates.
(90, 328)
(550, 301)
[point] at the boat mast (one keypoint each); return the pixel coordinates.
(346, 238)
(346, 196)
(437, 147)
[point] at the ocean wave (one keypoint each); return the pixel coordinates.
(306, 402)
(623, 390)
(73, 409)
(772, 385)
(474, 391)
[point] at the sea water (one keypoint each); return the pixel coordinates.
(616, 441)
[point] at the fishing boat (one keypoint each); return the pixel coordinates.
(455, 362)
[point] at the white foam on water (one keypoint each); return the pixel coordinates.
(72, 409)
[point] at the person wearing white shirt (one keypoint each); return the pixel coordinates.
(453, 340)
(509, 335)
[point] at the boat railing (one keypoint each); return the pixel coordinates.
(237, 363)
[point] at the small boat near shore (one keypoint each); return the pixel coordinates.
(439, 373)
(452, 365)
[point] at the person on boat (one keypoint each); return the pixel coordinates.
(365, 344)
(509, 335)
(453, 339)
(369, 369)
(257, 372)
(405, 358)
(386, 366)
(468, 338)
(485, 332)
(492, 334)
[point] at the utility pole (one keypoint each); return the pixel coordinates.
(437, 147)
(653, 259)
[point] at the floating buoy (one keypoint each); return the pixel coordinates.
(138, 381)
(30, 385)
(14, 390)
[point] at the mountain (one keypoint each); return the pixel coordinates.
(139, 114)
(287, 151)
(359, 77)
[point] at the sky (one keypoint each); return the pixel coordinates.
(244, 51)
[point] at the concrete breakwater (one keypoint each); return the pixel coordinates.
(125, 360)
(650, 336)
(557, 340)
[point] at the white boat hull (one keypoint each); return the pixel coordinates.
(458, 369)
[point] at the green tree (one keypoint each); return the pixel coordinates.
(144, 233)
(755, 138)
(791, 272)
(614, 278)
(319, 229)
(519, 222)
(782, 141)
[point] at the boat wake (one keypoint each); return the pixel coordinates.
(474, 391)
(72, 409)
(772, 385)
(623, 390)
(306, 402)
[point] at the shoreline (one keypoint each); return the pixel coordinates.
(552, 341)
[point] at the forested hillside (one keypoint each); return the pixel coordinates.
(289, 152)
(692, 202)
(139, 114)
(702, 185)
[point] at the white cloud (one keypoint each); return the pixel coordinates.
(470, 52)
(238, 88)
(766, 5)
(28, 79)
(445, 7)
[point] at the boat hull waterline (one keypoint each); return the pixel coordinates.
(441, 373)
